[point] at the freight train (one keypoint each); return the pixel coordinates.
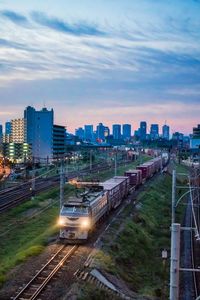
(79, 216)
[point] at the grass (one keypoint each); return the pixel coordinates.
(135, 255)
(120, 169)
(28, 236)
(87, 292)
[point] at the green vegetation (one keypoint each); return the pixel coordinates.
(134, 253)
(89, 293)
(28, 227)
(120, 169)
(26, 235)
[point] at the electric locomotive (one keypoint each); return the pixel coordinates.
(79, 215)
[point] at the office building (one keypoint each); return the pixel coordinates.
(143, 130)
(106, 131)
(116, 131)
(100, 131)
(18, 131)
(195, 139)
(88, 132)
(80, 133)
(154, 132)
(165, 132)
(126, 131)
(39, 132)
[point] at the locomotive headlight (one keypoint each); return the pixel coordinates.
(61, 221)
(85, 224)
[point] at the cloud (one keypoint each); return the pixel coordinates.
(79, 29)
(14, 17)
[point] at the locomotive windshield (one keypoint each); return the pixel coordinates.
(74, 209)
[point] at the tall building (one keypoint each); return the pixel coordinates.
(8, 128)
(106, 131)
(1, 130)
(59, 133)
(39, 131)
(116, 131)
(16, 151)
(165, 132)
(154, 131)
(126, 131)
(80, 133)
(88, 132)
(196, 131)
(100, 131)
(18, 131)
(195, 139)
(143, 130)
(1, 134)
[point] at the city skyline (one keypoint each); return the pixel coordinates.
(103, 61)
(134, 126)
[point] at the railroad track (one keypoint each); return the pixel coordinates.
(40, 281)
(20, 196)
(194, 222)
(14, 196)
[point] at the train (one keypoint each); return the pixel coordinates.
(79, 216)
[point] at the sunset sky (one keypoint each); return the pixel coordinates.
(110, 61)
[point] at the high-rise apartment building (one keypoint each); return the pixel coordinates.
(17, 131)
(154, 131)
(39, 132)
(165, 132)
(1, 135)
(126, 131)
(59, 134)
(143, 130)
(116, 131)
(1, 130)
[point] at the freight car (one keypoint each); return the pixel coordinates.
(145, 171)
(80, 215)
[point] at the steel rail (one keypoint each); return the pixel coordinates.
(24, 190)
(27, 287)
(193, 220)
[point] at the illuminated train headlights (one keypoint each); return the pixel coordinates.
(61, 221)
(85, 224)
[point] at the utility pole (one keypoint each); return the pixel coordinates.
(33, 181)
(62, 183)
(90, 160)
(161, 163)
(47, 164)
(173, 195)
(175, 261)
(115, 163)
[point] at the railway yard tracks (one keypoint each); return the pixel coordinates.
(40, 281)
(13, 196)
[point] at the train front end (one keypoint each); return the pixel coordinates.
(74, 222)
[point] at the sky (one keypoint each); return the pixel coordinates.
(110, 61)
